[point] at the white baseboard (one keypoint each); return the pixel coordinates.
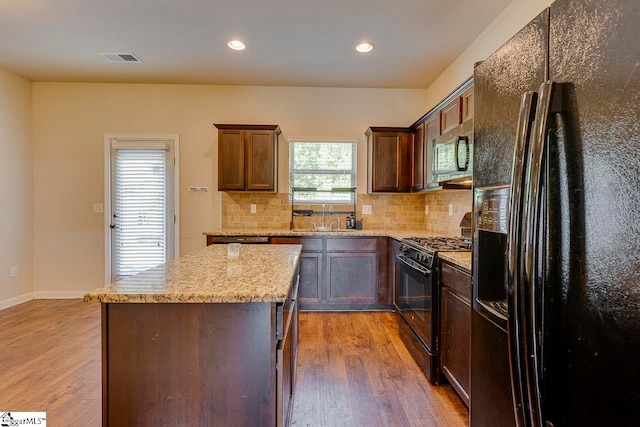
(59, 295)
(16, 300)
(41, 295)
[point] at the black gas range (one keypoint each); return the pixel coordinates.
(424, 250)
(417, 297)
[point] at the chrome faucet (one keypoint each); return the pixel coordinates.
(323, 227)
(337, 219)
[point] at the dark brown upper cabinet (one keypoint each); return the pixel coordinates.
(467, 104)
(248, 157)
(389, 159)
(452, 114)
(418, 157)
(424, 132)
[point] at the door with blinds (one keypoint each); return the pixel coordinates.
(142, 205)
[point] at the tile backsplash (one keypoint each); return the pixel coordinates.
(273, 211)
(438, 221)
(388, 211)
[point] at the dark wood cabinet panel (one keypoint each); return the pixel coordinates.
(310, 278)
(451, 115)
(311, 267)
(343, 273)
(261, 161)
(455, 357)
(394, 249)
(247, 157)
(352, 277)
(467, 104)
(389, 158)
(170, 369)
(350, 244)
(230, 159)
(286, 357)
(308, 243)
(456, 343)
(418, 157)
(384, 286)
(456, 280)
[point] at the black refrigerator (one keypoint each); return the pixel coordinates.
(556, 290)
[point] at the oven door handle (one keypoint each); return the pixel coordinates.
(413, 265)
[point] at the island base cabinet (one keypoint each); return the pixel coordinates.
(190, 364)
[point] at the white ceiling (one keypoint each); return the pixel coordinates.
(289, 42)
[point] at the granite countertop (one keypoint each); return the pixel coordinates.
(461, 259)
(264, 274)
(400, 234)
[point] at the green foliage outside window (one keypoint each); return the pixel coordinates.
(324, 166)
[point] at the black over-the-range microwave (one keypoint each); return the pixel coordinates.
(452, 157)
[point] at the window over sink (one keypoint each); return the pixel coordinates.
(325, 167)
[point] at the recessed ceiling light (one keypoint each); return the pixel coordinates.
(236, 45)
(364, 47)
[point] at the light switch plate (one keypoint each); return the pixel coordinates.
(98, 208)
(253, 208)
(366, 210)
(450, 209)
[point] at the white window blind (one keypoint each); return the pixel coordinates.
(140, 209)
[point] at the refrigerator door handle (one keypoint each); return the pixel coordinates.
(532, 216)
(517, 360)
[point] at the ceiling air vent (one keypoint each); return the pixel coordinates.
(119, 57)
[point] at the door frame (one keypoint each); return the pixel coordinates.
(142, 138)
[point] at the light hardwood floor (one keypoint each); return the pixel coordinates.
(50, 361)
(353, 370)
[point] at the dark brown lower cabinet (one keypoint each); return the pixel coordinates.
(342, 273)
(199, 364)
(455, 356)
(352, 278)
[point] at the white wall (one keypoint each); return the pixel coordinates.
(70, 120)
(16, 220)
(508, 23)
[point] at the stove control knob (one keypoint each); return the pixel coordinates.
(403, 248)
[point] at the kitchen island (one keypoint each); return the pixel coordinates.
(202, 340)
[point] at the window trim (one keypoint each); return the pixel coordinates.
(332, 140)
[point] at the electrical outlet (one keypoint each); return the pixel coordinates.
(450, 209)
(13, 271)
(426, 210)
(98, 208)
(253, 208)
(366, 210)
